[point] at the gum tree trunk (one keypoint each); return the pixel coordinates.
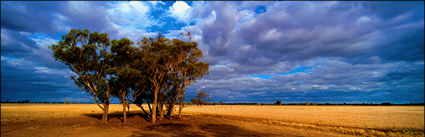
(170, 110)
(124, 106)
(181, 107)
(105, 113)
(154, 104)
(161, 108)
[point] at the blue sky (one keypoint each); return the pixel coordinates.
(324, 51)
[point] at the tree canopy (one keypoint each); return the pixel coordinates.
(86, 54)
(159, 70)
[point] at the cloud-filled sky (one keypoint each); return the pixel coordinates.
(324, 52)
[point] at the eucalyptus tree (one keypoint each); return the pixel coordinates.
(86, 54)
(156, 54)
(128, 76)
(202, 98)
(170, 66)
(191, 69)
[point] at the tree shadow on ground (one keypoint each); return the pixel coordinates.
(221, 130)
(184, 130)
(176, 129)
(119, 116)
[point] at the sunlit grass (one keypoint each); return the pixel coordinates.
(359, 120)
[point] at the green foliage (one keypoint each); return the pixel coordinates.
(85, 54)
(169, 67)
(158, 70)
(64, 101)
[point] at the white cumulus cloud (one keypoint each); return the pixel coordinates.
(181, 11)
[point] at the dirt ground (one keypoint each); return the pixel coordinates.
(38, 120)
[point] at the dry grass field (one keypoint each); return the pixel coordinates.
(84, 120)
(378, 120)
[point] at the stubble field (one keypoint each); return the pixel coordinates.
(219, 120)
(377, 120)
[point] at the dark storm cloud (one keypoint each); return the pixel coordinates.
(220, 29)
(29, 16)
(300, 31)
(22, 81)
(14, 43)
(331, 81)
(348, 51)
(55, 18)
(356, 52)
(28, 70)
(388, 10)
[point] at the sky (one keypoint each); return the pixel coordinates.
(263, 52)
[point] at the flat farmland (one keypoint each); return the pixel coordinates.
(348, 119)
(218, 120)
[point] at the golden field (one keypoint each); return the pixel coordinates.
(300, 120)
(376, 117)
(350, 119)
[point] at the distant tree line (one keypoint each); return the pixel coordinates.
(306, 103)
(222, 103)
(158, 70)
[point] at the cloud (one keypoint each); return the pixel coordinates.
(20, 82)
(329, 79)
(181, 11)
(258, 51)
